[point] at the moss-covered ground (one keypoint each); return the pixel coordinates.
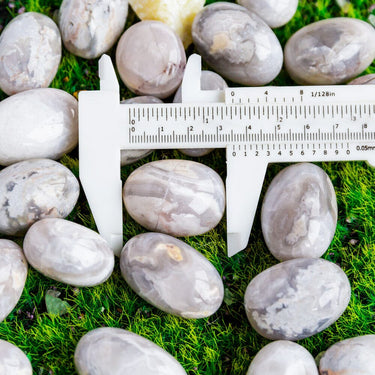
(225, 343)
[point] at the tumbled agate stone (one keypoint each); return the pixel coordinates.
(237, 44)
(299, 212)
(350, 357)
(171, 275)
(90, 28)
(116, 351)
(330, 51)
(177, 197)
(275, 13)
(68, 252)
(13, 273)
(151, 59)
(368, 79)
(283, 358)
(32, 190)
(30, 53)
(297, 298)
(40, 123)
(13, 361)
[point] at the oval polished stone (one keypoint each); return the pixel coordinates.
(30, 53)
(151, 59)
(299, 212)
(302, 297)
(13, 361)
(283, 358)
(330, 51)
(40, 123)
(90, 28)
(177, 197)
(368, 79)
(13, 273)
(32, 190)
(353, 356)
(237, 44)
(171, 275)
(116, 351)
(68, 252)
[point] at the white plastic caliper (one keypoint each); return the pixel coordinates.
(257, 126)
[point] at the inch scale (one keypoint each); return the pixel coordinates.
(257, 126)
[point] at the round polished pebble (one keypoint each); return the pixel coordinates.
(13, 273)
(90, 28)
(116, 351)
(68, 252)
(299, 212)
(13, 360)
(171, 275)
(237, 44)
(330, 51)
(368, 79)
(177, 197)
(32, 190)
(297, 298)
(350, 357)
(283, 358)
(151, 59)
(40, 123)
(30, 53)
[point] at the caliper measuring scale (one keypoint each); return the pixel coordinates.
(256, 126)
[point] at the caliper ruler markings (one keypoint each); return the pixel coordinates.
(257, 126)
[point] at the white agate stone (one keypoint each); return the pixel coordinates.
(13, 361)
(30, 53)
(40, 123)
(13, 273)
(68, 252)
(91, 27)
(116, 351)
(368, 79)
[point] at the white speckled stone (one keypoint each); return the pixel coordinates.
(283, 358)
(32, 190)
(177, 197)
(30, 53)
(237, 44)
(151, 59)
(330, 51)
(118, 352)
(368, 79)
(354, 356)
(13, 361)
(299, 212)
(171, 275)
(13, 273)
(297, 298)
(68, 252)
(90, 28)
(40, 123)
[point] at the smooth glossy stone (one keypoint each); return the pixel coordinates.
(68, 252)
(90, 28)
(13, 273)
(171, 275)
(275, 13)
(330, 51)
(297, 298)
(283, 358)
(368, 79)
(350, 357)
(13, 361)
(30, 53)
(40, 123)
(116, 351)
(299, 213)
(237, 44)
(151, 59)
(177, 197)
(32, 190)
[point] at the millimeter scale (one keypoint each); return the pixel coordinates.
(256, 126)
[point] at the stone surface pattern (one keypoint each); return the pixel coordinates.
(171, 275)
(13, 361)
(368, 79)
